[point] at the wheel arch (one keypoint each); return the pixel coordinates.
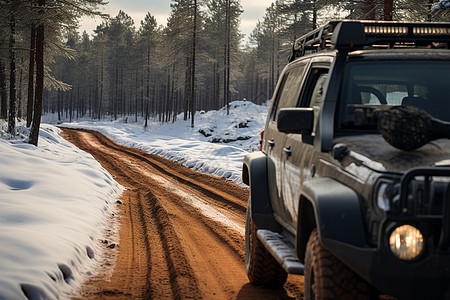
(333, 209)
(254, 174)
(307, 219)
(245, 175)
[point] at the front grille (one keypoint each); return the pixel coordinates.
(424, 199)
(424, 193)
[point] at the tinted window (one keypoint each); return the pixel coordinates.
(289, 91)
(317, 96)
(314, 91)
(385, 83)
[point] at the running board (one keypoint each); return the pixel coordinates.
(281, 250)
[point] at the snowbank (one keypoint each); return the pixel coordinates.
(56, 202)
(216, 145)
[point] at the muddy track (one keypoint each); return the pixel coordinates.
(181, 234)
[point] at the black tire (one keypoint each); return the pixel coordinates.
(326, 277)
(262, 268)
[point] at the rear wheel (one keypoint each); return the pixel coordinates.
(326, 277)
(261, 267)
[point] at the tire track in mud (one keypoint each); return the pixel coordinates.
(164, 166)
(181, 234)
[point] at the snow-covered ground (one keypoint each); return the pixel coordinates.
(216, 145)
(56, 201)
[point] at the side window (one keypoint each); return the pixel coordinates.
(317, 96)
(313, 93)
(289, 91)
(278, 97)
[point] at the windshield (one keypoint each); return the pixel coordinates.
(368, 85)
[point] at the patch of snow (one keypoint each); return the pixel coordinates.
(216, 145)
(443, 4)
(56, 202)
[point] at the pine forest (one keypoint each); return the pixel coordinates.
(198, 61)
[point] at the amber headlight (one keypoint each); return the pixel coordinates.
(406, 242)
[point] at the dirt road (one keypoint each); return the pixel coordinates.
(181, 234)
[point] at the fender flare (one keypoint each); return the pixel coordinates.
(337, 215)
(254, 174)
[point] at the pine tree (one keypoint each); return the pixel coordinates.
(3, 93)
(12, 72)
(40, 35)
(53, 15)
(147, 38)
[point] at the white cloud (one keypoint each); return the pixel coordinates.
(253, 10)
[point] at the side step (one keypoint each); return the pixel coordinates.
(281, 250)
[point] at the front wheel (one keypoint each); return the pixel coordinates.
(326, 277)
(261, 267)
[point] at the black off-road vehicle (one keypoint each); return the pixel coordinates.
(352, 186)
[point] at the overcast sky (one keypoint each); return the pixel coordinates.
(254, 10)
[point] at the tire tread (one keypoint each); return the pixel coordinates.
(332, 278)
(262, 268)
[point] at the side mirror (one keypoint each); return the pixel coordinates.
(296, 120)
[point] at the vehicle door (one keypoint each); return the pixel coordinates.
(286, 95)
(297, 161)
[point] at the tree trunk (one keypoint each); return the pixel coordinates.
(31, 76)
(20, 91)
(121, 105)
(12, 78)
(187, 85)
(71, 105)
(217, 87)
(59, 104)
(258, 100)
(228, 54)
(388, 7)
(194, 38)
(34, 134)
(169, 106)
(136, 95)
(225, 92)
(369, 10)
(173, 95)
(3, 94)
(101, 87)
(116, 90)
(148, 86)
(314, 20)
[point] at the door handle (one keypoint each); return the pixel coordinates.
(271, 143)
(287, 150)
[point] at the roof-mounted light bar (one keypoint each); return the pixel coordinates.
(395, 29)
(428, 30)
(355, 35)
(383, 29)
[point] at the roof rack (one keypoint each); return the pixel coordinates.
(356, 35)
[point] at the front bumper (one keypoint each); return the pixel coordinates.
(426, 278)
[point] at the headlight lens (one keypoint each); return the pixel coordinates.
(387, 192)
(406, 242)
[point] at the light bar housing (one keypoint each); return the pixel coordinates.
(358, 35)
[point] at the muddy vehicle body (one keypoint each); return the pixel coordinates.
(331, 197)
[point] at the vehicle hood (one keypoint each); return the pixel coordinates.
(373, 152)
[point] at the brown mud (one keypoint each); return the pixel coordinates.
(181, 232)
